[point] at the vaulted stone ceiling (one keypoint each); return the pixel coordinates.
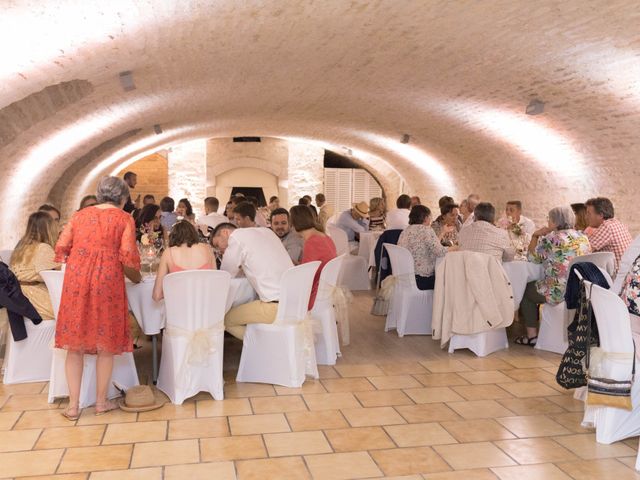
(456, 75)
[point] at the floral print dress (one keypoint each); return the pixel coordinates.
(631, 288)
(555, 251)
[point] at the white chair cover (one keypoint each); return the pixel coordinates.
(124, 367)
(354, 274)
(410, 309)
(5, 256)
(282, 353)
(29, 360)
(482, 344)
(193, 343)
(625, 264)
(331, 306)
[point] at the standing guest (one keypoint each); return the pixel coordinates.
(553, 246)
(325, 210)
(415, 200)
(274, 202)
(580, 211)
(398, 218)
(608, 234)
(51, 210)
(291, 241)
(424, 245)
(472, 202)
(99, 246)
(245, 215)
(131, 179)
(259, 254)
(33, 254)
(354, 221)
(184, 253)
(317, 245)
(211, 218)
(88, 201)
(377, 214)
(484, 237)
(148, 199)
(149, 221)
(167, 215)
(185, 210)
(449, 214)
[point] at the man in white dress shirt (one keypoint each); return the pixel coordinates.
(398, 218)
(211, 218)
(258, 253)
(514, 216)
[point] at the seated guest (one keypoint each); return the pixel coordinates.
(51, 210)
(580, 211)
(484, 237)
(377, 214)
(211, 218)
(228, 212)
(631, 296)
(88, 201)
(184, 253)
(514, 221)
(245, 215)
(464, 211)
(148, 221)
(185, 210)
(148, 199)
(472, 202)
(415, 200)
(553, 246)
(291, 240)
(274, 202)
(260, 219)
(33, 254)
(354, 221)
(608, 234)
(259, 254)
(325, 210)
(398, 218)
(317, 245)
(167, 215)
(449, 213)
(425, 246)
(304, 201)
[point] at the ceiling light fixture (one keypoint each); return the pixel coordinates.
(126, 81)
(406, 138)
(535, 107)
(157, 128)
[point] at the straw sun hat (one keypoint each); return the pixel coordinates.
(362, 209)
(141, 398)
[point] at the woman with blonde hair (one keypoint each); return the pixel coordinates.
(377, 214)
(33, 254)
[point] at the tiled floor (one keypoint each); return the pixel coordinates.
(392, 407)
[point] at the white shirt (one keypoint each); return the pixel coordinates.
(212, 220)
(470, 219)
(261, 220)
(262, 257)
(397, 219)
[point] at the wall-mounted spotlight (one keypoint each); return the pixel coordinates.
(126, 81)
(535, 107)
(348, 151)
(406, 138)
(157, 128)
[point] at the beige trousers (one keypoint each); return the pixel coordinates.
(252, 312)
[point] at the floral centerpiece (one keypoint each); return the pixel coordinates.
(149, 249)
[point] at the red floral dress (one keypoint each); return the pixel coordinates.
(93, 314)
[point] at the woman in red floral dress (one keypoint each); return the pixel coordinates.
(99, 247)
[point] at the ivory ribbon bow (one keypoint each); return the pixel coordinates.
(309, 350)
(201, 344)
(340, 297)
(388, 284)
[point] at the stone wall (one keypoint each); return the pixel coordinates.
(153, 175)
(187, 173)
(305, 170)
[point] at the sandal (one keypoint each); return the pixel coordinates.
(72, 418)
(524, 340)
(102, 408)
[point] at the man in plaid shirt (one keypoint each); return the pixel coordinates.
(608, 234)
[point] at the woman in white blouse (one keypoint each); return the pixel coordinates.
(420, 239)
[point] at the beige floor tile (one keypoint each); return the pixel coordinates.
(309, 386)
(133, 474)
(252, 424)
(358, 370)
(484, 377)
(281, 404)
(529, 375)
(8, 419)
(383, 398)
(529, 389)
(585, 446)
(291, 468)
(62, 476)
(481, 392)
(170, 412)
(22, 388)
(342, 466)
(546, 471)
(66, 437)
(330, 401)
(367, 417)
(533, 426)
(535, 450)
(440, 379)
(433, 395)
(481, 430)
(628, 461)
(223, 408)
(18, 440)
(198, 428)
(531, 406)
(409, 461)
(351, 384)
(91, 459)
(201, 471)
(244, 390)
(296, 443)
(551, 383)
(567, 402)
(327, 371)
(135, 432)
(88, 417)
(445, 366)
(571, 421)
(427, 412)
(232, 448)
(402, 368)
(317, 420)
(419, 435)
(476, 474)
(604, 469)
(22, 464)
(19, 403)
(486, 363)
(480, 409)
(473, 455)
(172, 452)
(394, 382)
(355, 439)
(528, 361)
(42, 419)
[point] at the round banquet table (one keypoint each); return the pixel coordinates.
(521, 273)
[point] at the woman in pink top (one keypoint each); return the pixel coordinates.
(184, 253)
(317, 245)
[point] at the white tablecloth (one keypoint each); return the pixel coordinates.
(521, 273)
(367, 247)
(151, 314)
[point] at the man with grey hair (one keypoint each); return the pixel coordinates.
(472, 201)
(607, 233)
(484, 237)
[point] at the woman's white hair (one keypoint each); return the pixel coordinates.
(562, 217)
(112, 190)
